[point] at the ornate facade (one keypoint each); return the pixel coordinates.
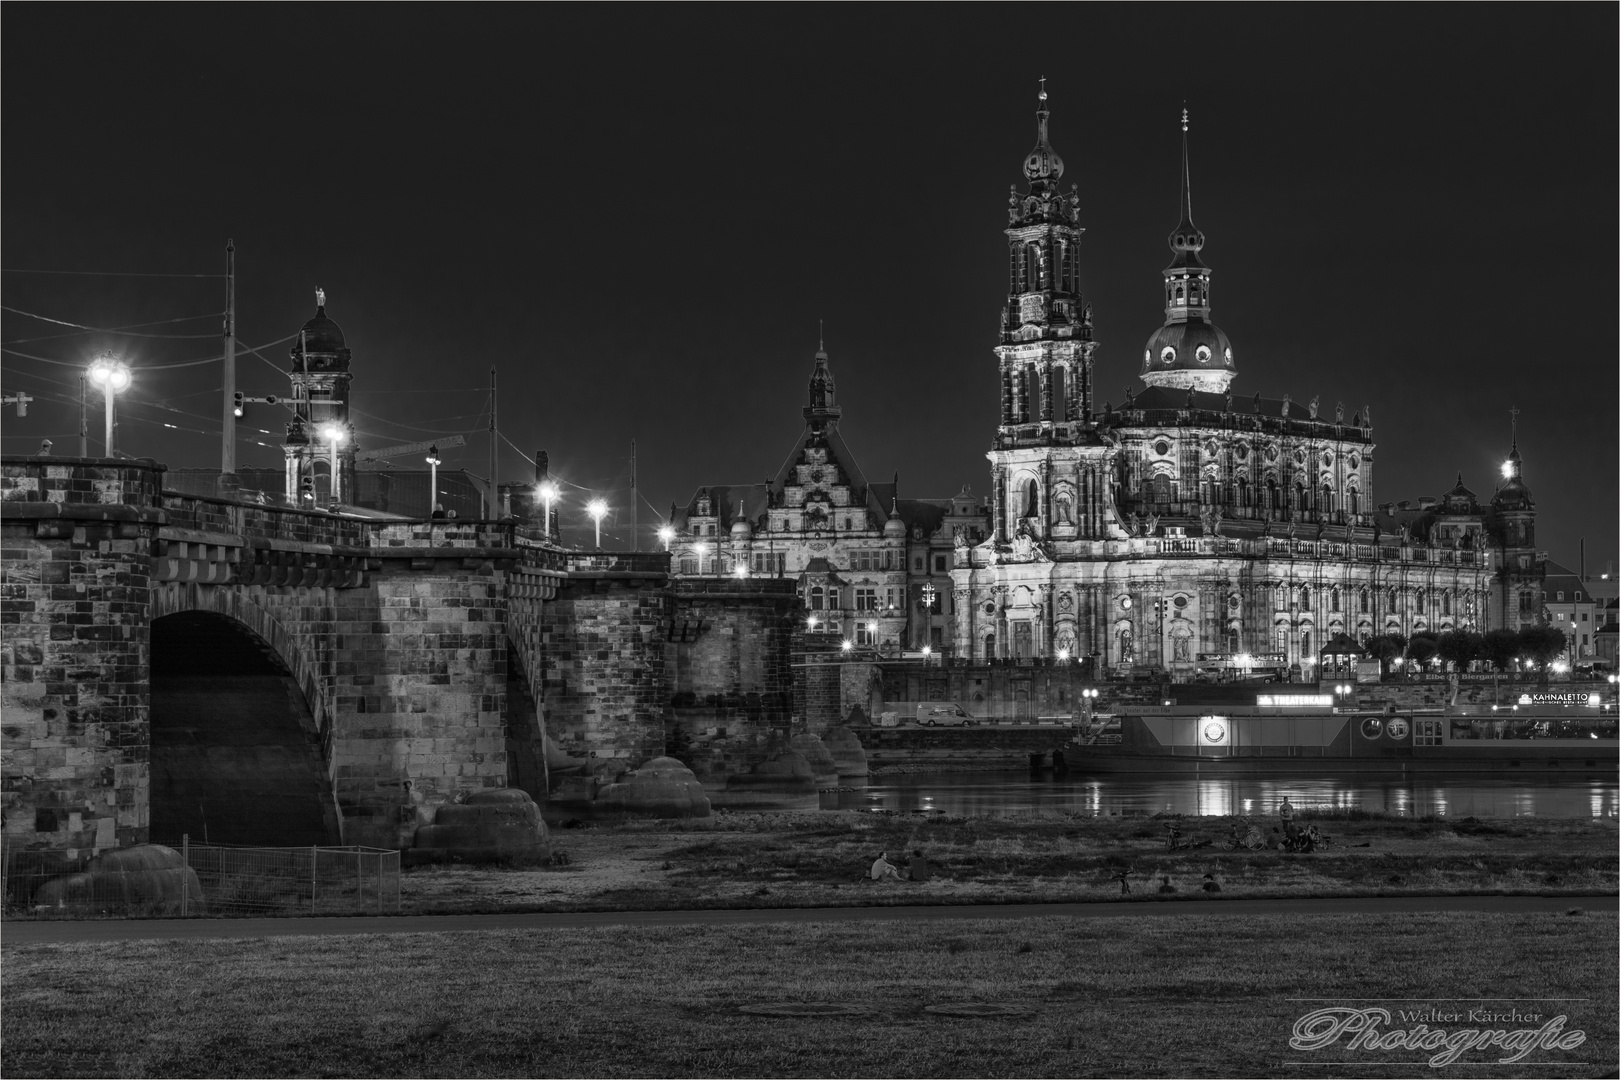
(1188, 522)
(873, 569)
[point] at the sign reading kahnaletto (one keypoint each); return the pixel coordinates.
(1561, 697)
(1446, 1034)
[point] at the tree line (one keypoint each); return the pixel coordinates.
(1461, 649)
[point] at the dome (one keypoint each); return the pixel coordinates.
(894, 528)
(1513, 495)
(320, 336)
(1192, 354)
(741, 530)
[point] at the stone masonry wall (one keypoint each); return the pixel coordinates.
(604, 677)
(74, 637)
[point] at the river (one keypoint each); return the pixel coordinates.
(1018, 792)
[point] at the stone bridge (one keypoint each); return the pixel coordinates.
(256, 674)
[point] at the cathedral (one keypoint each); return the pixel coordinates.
(1189, 525)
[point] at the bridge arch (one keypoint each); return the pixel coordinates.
(240, 730)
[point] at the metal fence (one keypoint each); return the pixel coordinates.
(214, 880)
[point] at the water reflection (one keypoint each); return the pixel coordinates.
(1019, 793)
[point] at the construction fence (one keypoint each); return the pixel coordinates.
(201, 880)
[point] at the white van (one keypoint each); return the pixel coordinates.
(943, 714)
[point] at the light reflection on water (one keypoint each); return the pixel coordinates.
(1011, 792)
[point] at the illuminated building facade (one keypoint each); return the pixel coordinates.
(1187, 522)
(873, 569)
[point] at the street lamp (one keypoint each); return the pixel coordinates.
(926, 651)
(433, 479)
(598, 509)
(741, 571)
(548, 493)
(813, 622)
(666, 533)
(847, 645)
(112, 375)
(1063, 655)
(333, 434)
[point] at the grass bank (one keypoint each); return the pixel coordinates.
(1200, 995)
(813, 859)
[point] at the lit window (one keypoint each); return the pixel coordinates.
(866, 600)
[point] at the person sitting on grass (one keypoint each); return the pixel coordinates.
(918, 869)
(1286, 812)
(882, 868)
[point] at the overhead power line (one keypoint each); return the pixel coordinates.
(106, 273)
(107, 330)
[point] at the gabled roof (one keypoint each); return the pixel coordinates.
(728, 502)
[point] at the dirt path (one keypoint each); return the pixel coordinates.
(41, 933)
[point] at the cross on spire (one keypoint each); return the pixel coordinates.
(1513, 413)
(1043, 88)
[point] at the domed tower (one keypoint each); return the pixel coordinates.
(319, 433)
(823, 408)
(1046, 345)
(1523, 572)
(1188, 352)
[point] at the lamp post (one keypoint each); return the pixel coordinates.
(433, 479)
(548, 494)
(333, 434)
(112, 375)
(926, 651)
(666, 533)
(598, 509)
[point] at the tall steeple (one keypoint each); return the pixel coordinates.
(823, 408)
(1046, 346)
(1188, 352)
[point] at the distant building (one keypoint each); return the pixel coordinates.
(1572, 609)
(872, 568)
(1185, 524)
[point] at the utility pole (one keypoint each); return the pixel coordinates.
(84, 420)
(635, 533)
(494, 481)
(227, 446)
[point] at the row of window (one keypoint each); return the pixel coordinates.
(860, 597)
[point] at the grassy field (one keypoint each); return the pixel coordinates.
(1198, 995)
(814, 859)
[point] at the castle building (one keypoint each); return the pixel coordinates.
(1187, 524)
(873, 569)
(320, 406)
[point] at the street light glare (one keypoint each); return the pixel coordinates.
(549, 491)
(597, 508)
(666, 533)
(333, 434)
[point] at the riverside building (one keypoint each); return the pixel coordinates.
(1189, 522)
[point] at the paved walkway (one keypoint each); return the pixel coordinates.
(33, 933)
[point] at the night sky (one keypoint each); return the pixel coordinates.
(639, 214)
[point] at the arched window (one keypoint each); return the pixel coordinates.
(1422, 601)
(1304, 598)
(1305, 643)
(1271, 494)
(1445, 602)
(1060, 395)
(1032, 379)
(989, 646)
(1335, 599)
(1282, 597)
(1299, 497)
(1353, 501)
(1327, 500)
(818, 598)
(1244, 495)
(1032, 499)
(1180, 296)
(1394, 604)
(1366, 601)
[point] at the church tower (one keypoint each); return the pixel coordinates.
(1188, 352)
(319, 433)
(1523, 570)
(1046, 345)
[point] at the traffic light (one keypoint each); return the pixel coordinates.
(237, 404)
(307, 486)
